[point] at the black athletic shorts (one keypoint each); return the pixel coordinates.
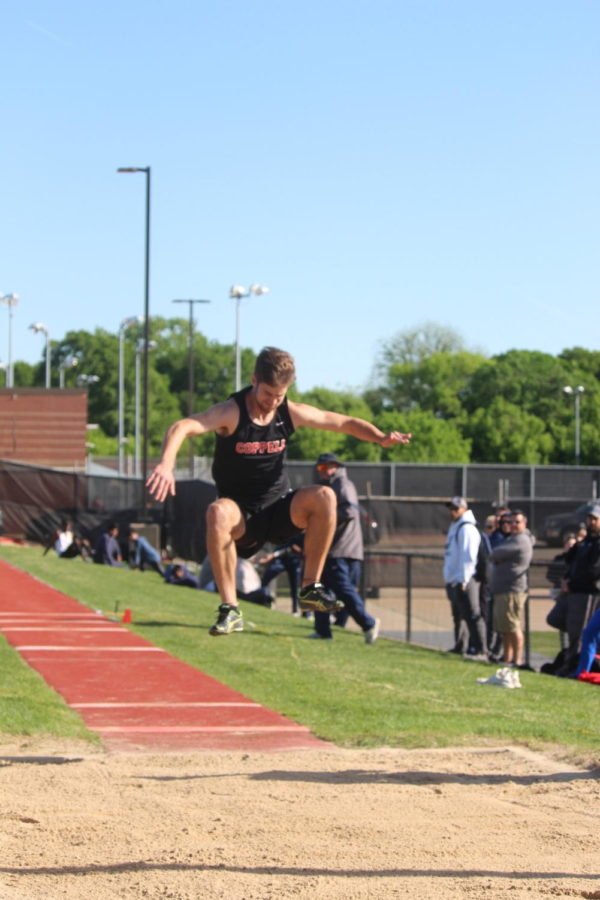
(273, 523)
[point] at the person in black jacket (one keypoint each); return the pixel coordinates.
(580, 589)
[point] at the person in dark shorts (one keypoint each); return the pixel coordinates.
(255, 503)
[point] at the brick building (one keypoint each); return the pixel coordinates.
(46, 427)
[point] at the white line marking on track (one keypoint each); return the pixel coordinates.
(182, 729)
(63, 628)
(89, 649)
(166, 705)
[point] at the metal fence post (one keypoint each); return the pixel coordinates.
(408, 598)
(527, 633)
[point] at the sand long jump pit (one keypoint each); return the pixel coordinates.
(491, 822)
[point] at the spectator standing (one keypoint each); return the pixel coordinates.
(580, 590)
(107, 551)
(343, 566)
(497, 536)
(462, 588)
(143, 553)
(511, 560)
(502, 530)
(590, 640)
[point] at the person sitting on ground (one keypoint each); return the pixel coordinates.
(285, 558)
(107, 551)
(181, 576)
(247, 582)
(142, 553)
(67, 545)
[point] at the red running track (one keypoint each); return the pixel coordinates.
(135, 695)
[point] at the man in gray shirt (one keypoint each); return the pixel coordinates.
(342, 570)
(510, 564)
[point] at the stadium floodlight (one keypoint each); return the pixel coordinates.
(191, 371)
(139, 349)
(127, 170)
(129, 322)
(576, 392)
(40, 328)
(10, 300)
(237, 292)
(69, 362)
(83, 380)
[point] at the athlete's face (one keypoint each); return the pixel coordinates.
(267, 396)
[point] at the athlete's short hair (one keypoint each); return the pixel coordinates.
(275, 367)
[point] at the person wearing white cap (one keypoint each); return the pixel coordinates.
(460, 562)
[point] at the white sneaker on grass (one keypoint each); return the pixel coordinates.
(505, 678)
(372, 633)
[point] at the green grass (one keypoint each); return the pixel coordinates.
(29, 707)
(390, 694)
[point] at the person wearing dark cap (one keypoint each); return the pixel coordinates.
(255, 503)
(460, 562)
(342, 570)
(580, 590)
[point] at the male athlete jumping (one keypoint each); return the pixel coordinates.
(255, 503)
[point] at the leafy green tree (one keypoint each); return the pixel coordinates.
(413, 345)
(411, 367)
(505, 432)
(433, 439)
(308, 443)
(529, 379)
(25, 375)
(436, 383)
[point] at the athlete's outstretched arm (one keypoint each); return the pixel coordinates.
(311, 417)
(161, 481)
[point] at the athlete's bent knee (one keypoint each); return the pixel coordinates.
(220, 516)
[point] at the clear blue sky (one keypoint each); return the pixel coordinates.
(376, 164)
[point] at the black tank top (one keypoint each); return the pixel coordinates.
(249, 465)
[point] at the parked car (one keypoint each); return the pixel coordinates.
(554, 528)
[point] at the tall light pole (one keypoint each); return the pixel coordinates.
(237, 293)
(191, 372)
(86, 380)
(40, 328)
(10, 300)
(139, 349)
(146, 171)
(125, 324)
(69, 362)
(577, 391)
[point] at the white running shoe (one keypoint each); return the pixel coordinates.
(372, 633)
(505, 678)
(515, 677)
